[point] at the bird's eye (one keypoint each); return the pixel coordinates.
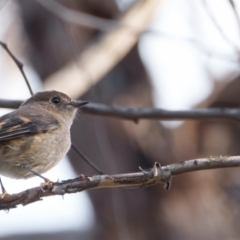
(55, 100)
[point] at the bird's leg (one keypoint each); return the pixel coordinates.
(47, 183)
(4, 192)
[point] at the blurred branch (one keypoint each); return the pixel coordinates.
(96, 61)
(76, 17)
(235, 12)
(88, 20)
(91, 21)
(4, 103)
(224, 36)
(136, 114)
(155, 175)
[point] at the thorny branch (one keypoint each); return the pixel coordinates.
(147, 177)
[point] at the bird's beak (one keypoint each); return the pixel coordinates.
(78, 103)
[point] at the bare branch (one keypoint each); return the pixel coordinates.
(155, 175)
(19, 65)
(213, 162)
(4, 103)
(135, 114)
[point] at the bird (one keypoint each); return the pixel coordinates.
(36, 136)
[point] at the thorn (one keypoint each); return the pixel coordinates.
(143, 171)
(136, 120)
(4, 192)
(82, 177)
(167, 185)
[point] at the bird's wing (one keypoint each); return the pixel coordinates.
(17, 126)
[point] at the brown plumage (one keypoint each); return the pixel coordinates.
(37, 135)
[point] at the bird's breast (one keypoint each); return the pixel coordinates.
(39, 152)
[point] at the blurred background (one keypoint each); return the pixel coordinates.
(172, 54)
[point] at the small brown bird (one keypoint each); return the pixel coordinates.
(35, 137)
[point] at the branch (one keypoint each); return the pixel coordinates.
(135, 114)
(19, 65)
(76, 17)
(155, 175)
(4, 103)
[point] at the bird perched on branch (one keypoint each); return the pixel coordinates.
(35, 137)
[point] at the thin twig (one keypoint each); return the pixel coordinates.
(155, 175)
(19, 65)
(88, 161)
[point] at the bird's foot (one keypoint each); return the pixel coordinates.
(47, 185)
